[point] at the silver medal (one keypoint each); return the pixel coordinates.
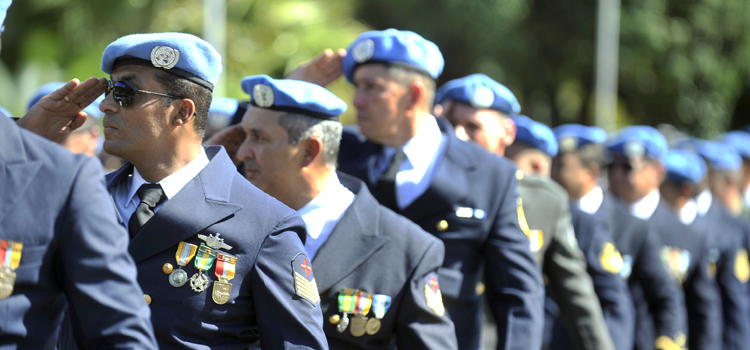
(178, 278)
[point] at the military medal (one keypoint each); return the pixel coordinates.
(362, 304)
(225, 264)
(380, 305)
(185, 252)
(203, 261)
(10, 258)
(346, 306)
(215, 242)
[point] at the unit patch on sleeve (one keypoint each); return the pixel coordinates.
(432, 294)
(304, 281)
(742, 265)
(610, 259)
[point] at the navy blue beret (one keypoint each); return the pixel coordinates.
(393, 46)
(479, 91)
(740, 140)
(639, 140)
(293, 96)
(183, 54)
(682, 165)
(536, 135)
(571, 137)
(46, 89)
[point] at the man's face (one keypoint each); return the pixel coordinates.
(142, 127)
(570, 173)
(271, 163)
(633, 178)
(483, 126)
(380, 102)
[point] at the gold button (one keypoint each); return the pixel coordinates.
(480, 288)
(334, 319)
(147, 298)
(519, 174)
(167, 268)
(442, 225)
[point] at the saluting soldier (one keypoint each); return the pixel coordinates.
(650, 286)
(414, 164)
(216, 257)
(376, 271)
(480, 109)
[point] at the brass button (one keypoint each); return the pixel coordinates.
(442, 225)
(334, 319)
(480, 288)
(147, 298)
(167, 268)
(519, 174)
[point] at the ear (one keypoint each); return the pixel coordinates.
(313, 148)
(510, 131)
(417, 93)
(185, 112)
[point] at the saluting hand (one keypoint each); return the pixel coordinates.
(231, 138)
(321, 70)
(58, 114)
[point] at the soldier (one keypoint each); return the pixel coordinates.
(415, 165)
(480, 110)
(577, 169)
(740, 140)
(376, 271)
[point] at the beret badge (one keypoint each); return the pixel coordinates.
(164, 57)
(483, 97)
(363, 51)
(263, 95)
(568, 143)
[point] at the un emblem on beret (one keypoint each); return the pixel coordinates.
(263, 95)
(483, 97)
(568, 143)
(164, 57)
(363, 51)
(634, 149)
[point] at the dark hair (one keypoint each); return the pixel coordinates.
(178, 86)
(301, 127)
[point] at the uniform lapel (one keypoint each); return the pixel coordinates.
(354, 239)
(16, 172)
(200, 204)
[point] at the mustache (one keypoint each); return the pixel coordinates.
(250, 165)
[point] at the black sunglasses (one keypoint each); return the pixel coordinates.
(624, 166)
(124, 92)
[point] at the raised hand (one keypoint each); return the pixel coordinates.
(231, 138)
(321, 70)
(58, 114)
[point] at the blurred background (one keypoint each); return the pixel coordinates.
(686, 63)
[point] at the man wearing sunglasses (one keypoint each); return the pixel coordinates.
(577, 167)
(189, 213)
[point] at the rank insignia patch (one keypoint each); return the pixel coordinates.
(610, 259)
(432, 294)
(304, 281)
(676, 261)
(742, 266)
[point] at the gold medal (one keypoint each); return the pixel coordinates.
(372, 326)
(358, 323)
(7, 280)
(221, 292)
(10, 258)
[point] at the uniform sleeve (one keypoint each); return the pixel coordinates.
(98, 275)
(419, 326)
(604, 264)
(734, 298)
(285, 319)
(659, 289)
(514, 284)
(702, 299)
(572, 289)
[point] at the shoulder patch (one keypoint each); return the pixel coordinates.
(610, 259)
(742, 265)
(432, 294)
(304, 280)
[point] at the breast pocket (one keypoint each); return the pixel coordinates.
(30, 267)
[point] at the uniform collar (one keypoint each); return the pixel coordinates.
(174, 182)
(645, 207)
(591, 201)
(329, 205)
(747, 196)
(688, 212)
(422, 147)
(703, 202)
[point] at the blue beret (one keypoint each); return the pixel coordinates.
(718, 155)
(682, 165)
(183, 54)
(396, 47)
(46, 89)
(4, 5)
(639, 140)
(479, 91)
(740, 140)
(536, 135)
(222, 111)
(571, 137)
(293, 96)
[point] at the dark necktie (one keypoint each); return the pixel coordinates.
(387, 181)
(151, 196)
